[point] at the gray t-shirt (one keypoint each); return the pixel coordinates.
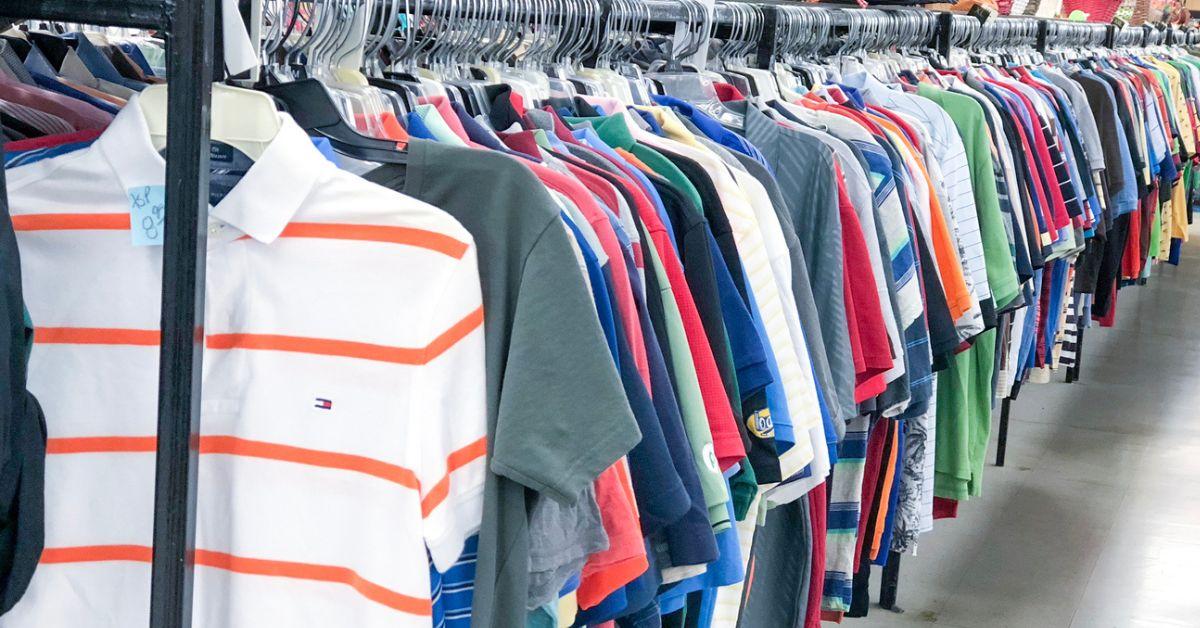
(805, 173)
(557, 414)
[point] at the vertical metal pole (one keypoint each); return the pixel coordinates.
(189, 64)
(890, 582)
(765, 51)
(945, 24)
(1002, 440)
(1078, 365)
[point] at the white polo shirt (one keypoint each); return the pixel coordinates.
(343, 423)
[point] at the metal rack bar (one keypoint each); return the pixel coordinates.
(1002, 437)
(127, 13)
(189, 25)
(766, 44)
(190, 67)
(1078, 366)
(945, 22)
(890, 583)
(1043, 35)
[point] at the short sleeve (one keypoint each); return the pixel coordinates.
(450, 417)
(563, 415)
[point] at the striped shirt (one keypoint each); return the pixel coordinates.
(47, 123)
(343, 425)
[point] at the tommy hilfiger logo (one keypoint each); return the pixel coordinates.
(323, 404)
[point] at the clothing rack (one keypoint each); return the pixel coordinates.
(1048, 32)
(189, 27)
(190, 30)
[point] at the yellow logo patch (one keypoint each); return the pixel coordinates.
(760, 424)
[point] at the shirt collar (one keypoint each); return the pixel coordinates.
(868, 87)
(613, 129)
(672, 127)
(260, 205)
(708, 125)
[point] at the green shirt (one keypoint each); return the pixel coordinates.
(964, 391)
(968, 117)
(691, 404)
(964, 420)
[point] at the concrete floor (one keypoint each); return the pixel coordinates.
(1094, 522)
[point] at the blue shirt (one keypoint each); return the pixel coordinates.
(55, 85)
(713, 129)
(138, 58)
(98, 63)
(727, 569)
(417, 128)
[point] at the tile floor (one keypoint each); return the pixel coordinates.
(1094, 522)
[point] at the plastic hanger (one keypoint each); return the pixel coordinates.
(685, 82)
(244, 119)
(309, 103)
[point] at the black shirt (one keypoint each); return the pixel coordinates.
(22, 432)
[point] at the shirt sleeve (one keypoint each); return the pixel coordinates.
(449, 412)
(563, 416)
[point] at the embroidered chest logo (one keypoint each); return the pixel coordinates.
(323, 404)
(760, 423)
(709, 455)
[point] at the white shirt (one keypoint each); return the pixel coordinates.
(343, 405)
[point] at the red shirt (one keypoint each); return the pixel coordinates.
(727, 441)
(50, 141)
(865, 315)
(625, 559)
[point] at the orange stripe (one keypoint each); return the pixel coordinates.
(316, 346)
(451, 336)
(95, 336)
(749, 581)
(320, 573)
(96, 553)
(234, 446)
(410, 236)
(249, 566)
(102, 444)
(455, 461)
(348, 348)
(69, 222)
(421, 238)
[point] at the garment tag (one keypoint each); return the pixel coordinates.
(227, 166)
(981, 13)
(147, 210)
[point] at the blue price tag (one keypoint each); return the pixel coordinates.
(147, 209)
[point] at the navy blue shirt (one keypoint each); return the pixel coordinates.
(55, 85)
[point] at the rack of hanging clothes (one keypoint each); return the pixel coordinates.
(683, 315)
(1073, 35)
(1063, 34)
(1097, 48)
